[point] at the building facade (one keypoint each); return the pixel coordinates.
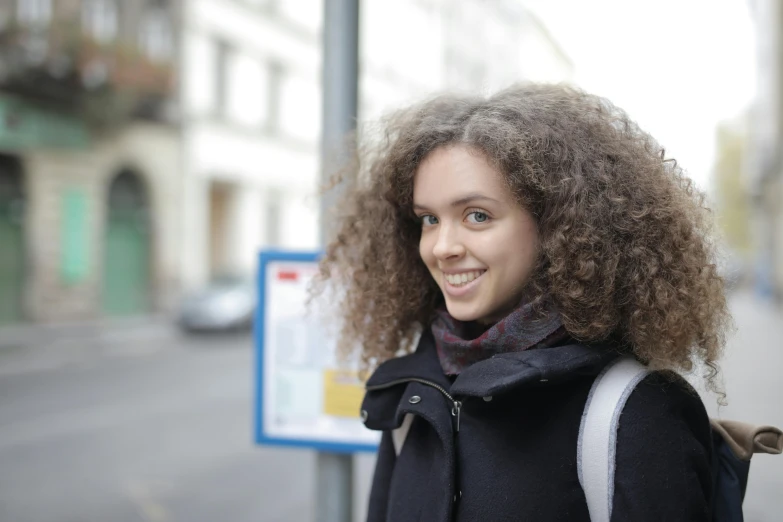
(89, 159)
(765, 155)
(413, 48)
(251, 121)
(252, 104)
(147, 146)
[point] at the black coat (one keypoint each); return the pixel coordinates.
(514, 456)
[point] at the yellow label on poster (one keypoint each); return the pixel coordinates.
(343, 393)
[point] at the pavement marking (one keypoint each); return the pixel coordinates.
(148, 507)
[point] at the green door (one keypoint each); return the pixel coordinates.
(12, 273)
(126, 282)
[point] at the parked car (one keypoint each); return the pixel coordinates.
(226, 303)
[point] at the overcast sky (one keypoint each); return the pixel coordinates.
(676, 66)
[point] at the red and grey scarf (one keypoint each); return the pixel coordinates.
(519, 330)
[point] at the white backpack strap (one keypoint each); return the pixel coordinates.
(399, 434)
(598, 433)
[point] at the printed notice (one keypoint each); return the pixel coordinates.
(304, 397)
(343, 393)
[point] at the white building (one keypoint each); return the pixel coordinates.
(252, 104)
(251, 120)
(765, 159)
(412, 48)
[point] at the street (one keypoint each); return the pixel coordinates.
(159, 429)
(161, 436)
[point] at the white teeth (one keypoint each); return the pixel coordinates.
(463, 278)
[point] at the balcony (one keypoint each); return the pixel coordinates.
(103, 81)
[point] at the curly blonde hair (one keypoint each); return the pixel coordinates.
(626, 245)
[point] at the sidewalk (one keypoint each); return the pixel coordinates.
(35, 347)
(100, 331)
(751, 371)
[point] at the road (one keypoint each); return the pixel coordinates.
(143, 433)
(158, 429)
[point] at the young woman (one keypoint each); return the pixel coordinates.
(529, 238)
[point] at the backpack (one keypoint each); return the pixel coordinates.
(733, 445)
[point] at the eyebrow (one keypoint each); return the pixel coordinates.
(468, 198)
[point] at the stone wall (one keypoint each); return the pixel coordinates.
(153, 152)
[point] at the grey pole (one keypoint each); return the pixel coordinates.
(334, 480)
(340, 81)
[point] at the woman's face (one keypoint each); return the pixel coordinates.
(479, 244)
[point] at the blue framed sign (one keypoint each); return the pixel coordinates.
(303, 397)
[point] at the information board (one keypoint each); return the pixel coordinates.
(303, 397)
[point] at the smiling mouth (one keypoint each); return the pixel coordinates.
(463, 279)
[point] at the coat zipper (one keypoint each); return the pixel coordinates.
(456, 410)
(457, 405)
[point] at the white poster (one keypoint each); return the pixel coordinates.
(304, 398)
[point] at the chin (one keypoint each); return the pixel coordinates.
(464, 313)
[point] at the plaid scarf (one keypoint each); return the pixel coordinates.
(457, 349)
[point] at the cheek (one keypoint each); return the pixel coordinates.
(425, 250)
(513, 253)
(527, 255)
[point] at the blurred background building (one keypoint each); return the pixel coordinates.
(150, 146)
(90, 166)
(251, 74)
(251, 124)
(762, 168)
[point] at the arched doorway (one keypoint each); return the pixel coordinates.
(12, 272)
(126, 261)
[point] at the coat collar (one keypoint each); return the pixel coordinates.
(500, 373)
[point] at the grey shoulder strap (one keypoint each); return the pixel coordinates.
(598, 433)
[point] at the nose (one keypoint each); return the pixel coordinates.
(448, 244)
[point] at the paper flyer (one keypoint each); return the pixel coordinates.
(305, 397)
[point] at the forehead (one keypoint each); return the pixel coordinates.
(447, 173)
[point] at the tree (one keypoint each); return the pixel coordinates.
(731, 195)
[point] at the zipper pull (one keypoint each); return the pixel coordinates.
(455, 411)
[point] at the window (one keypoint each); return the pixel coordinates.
(34, 12)
(274, 96)
(99, 19)
(222, 56)
(155, 37)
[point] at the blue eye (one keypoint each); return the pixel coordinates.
(478, 217)
(429, 220)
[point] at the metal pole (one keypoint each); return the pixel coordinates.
(334, 502)
(334, 481)
(340, 79)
